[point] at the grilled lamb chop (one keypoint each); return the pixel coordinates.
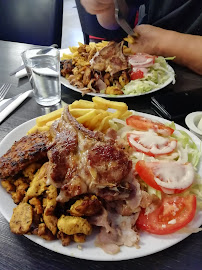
(27, 150)
(83, 161)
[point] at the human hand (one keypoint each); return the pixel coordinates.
(148, 39)
(186, 48)
(105, 11)
(97, 6)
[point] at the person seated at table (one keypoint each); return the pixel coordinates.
(168, 28)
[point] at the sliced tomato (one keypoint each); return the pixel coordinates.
(142, 123)
(138, 74)
(151, 144)
(169, 177)
(173, 213)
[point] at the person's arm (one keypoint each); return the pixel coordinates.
(105, 11)
(158, 41)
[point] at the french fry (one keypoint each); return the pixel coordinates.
(44, 128)
(127, 50)
(88, 116)
(93, 115)
(100, 103)
(66, 56)
(79, 112)
(32, 130)
(103, 104)
(84, 104)
(104, 124)
(73, 49)
(48, 124)
(130, 39)
(126, 114)
(95, 122)
(42, 120)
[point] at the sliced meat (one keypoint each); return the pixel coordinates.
(110, 59)
(66, 67)
(115, 231)
(29, 149)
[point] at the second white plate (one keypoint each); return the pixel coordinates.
(66, 83)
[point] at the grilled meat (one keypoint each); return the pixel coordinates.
(66, 67)
(110, 59)
(83, 161)
(27, 150)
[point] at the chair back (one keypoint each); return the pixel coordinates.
(37, 22)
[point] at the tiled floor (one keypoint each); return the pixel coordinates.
(72, 33)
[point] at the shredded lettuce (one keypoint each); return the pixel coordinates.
(170, 58)
(187, 143)
(157, 75)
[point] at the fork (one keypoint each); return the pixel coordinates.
(4, 90)
(121, 9)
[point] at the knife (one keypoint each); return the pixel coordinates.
(10, 104)
(16, 70)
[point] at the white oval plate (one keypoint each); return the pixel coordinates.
(66, 83)
(149, 243)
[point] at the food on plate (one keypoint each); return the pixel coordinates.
(169, 176)
(74, 225)
(93, 115)
(91, 177)
(110, 68)
(145, 124)
(21, 220)
(151, 143)
(44, 122)
(22, 153)
(172, 214)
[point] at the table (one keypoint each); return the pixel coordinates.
(19, 253)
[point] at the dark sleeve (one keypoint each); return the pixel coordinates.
(135, 3)
(183, 16)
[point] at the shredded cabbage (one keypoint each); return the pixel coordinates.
(157, 75)
(190, 146)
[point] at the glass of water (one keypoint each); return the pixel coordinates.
(43, 69)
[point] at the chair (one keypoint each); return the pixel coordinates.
(91, 27)
(37, 22)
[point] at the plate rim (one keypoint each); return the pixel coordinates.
(73, 250)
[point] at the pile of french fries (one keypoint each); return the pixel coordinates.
(94, 115)
(91, 48)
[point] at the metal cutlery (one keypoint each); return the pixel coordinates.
(121, 12)
(11, 104)
(46, 50)
(4, 90)
(16, 70)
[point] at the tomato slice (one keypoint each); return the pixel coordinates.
(142, 123)
(138, 74)
(173, 214)
(168, 176)
(151, 144)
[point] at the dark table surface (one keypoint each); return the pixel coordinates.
(18, 252)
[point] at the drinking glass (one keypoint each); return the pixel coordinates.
(43, 69)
